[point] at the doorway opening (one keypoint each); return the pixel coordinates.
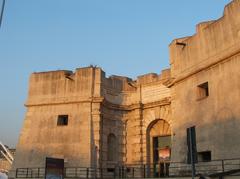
(159, 148)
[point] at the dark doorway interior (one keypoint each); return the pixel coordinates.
(161, 155)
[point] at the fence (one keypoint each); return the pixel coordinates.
(162, 169)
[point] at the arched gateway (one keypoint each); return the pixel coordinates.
(158, 145)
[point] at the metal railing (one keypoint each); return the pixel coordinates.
(162, 169)
(69, 172)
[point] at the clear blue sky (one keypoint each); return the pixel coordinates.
(124, 37)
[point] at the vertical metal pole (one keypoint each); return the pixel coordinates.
(87, 172)
(16, 175)
(38, 172)
(2, 10)
(159, 169)
(223, 166)
(27, 173)
(119, 172)
(122, 171)
(191, 155)
(144, 171)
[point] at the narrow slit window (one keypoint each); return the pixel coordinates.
(203, 90)
(62, 120)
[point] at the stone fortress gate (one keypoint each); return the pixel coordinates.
(91, 120)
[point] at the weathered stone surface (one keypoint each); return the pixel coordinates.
(96, 107)
(133, 112)
(211, 55)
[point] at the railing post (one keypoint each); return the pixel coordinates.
(16, 174)
(144, 171)
(223, 166)
(38, 173)
(167, 169)
(75, 172)
(122, 171)
(27, 173)
(119, 172)
(87, 173)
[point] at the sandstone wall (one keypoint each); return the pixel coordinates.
(101, 108)
(97, 107)
(61, 93)
(212, 55)
(126, 113)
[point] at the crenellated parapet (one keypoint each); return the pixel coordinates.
(57, 87)
(205, 86)
(91, 83)
(124, 91)
(213, 42)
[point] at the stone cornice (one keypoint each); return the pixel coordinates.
(163, 102)
(104, 102)
(64, 101)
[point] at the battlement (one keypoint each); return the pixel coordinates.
(213, 42)
(153, 77)
(201, 26)
(63, 85)
(122, 90)
(117, 83)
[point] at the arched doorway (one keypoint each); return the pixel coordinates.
(159, 146)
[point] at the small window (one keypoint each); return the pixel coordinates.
(203, 90)
(62, 120)
(204, 156)
(112, 170)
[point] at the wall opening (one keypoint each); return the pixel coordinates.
(205, 156)
(203, 90)
(62, 120)
(158, 146)
(112, 170)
